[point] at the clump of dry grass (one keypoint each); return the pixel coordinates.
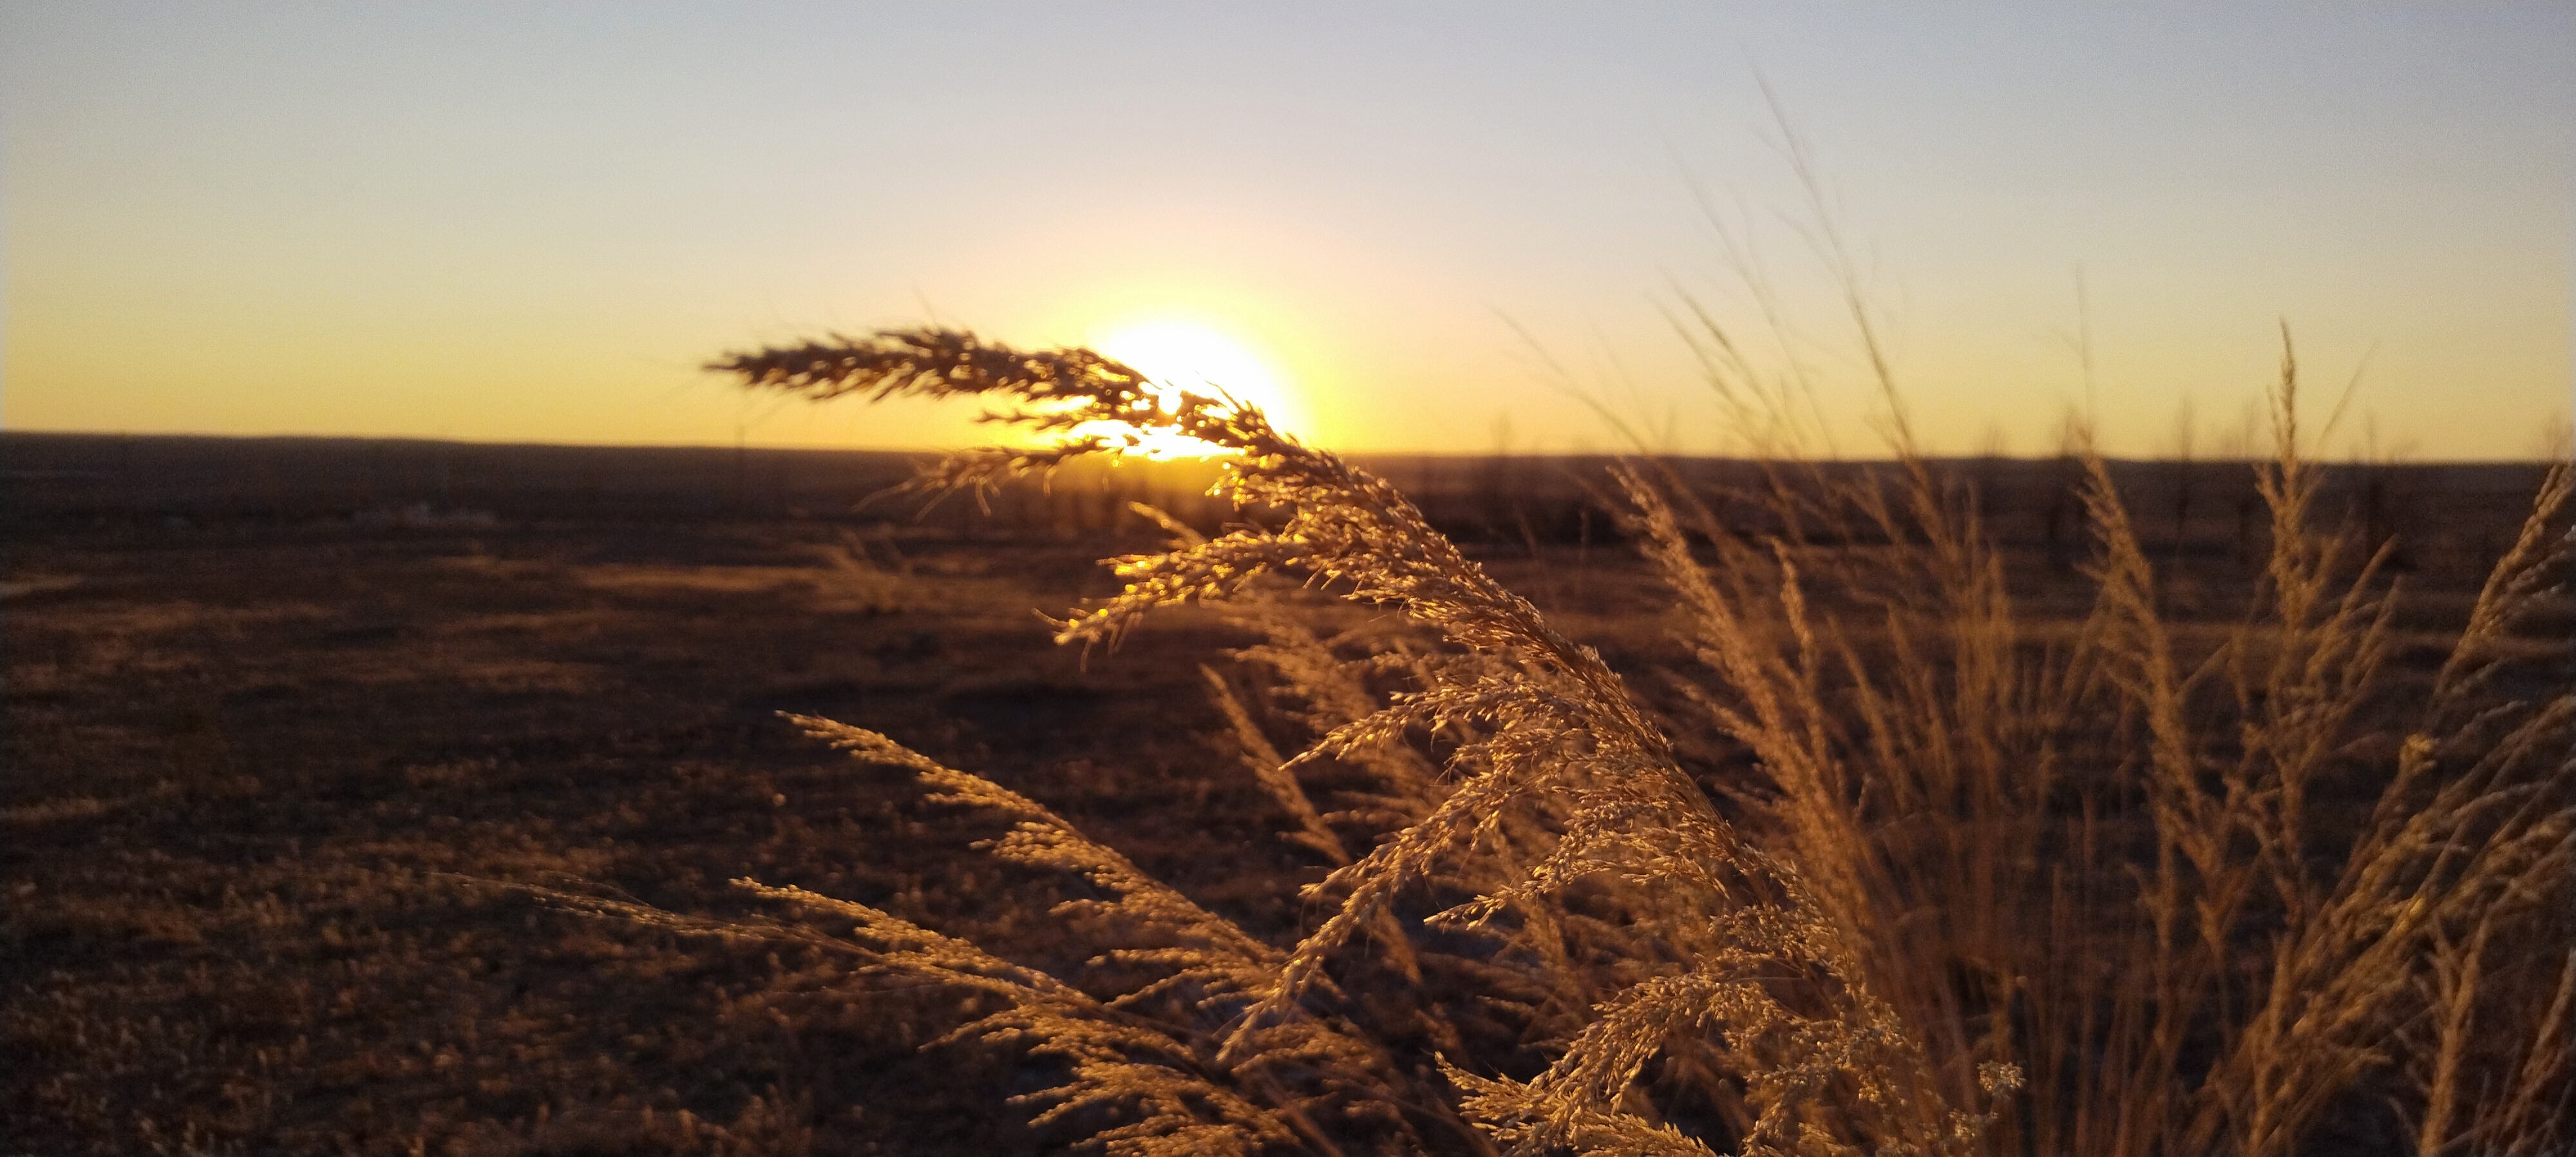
(2204, 886)
(1735, 977)
(2197, 888)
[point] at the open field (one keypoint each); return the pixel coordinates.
(279, 714)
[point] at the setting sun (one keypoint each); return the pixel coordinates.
(1186, 355)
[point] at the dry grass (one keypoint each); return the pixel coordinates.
(2204, 889)
(2125, 863)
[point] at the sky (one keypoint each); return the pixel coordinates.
(1454, 227)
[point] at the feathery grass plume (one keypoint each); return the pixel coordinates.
(2475, 821)
(1319, 688)
(1825, 1064)
(1126, 1064)
(1538, 967)
(1209, 951)
(1982, 851)
(1260, 757)
(2490, 779)
(1270, 769)
(2099, 853)
(1303, 1086)
(2096, 853)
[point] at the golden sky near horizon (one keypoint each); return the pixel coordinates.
(534, 223)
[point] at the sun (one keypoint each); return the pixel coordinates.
(1187, 355)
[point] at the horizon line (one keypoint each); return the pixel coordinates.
(1461, 455)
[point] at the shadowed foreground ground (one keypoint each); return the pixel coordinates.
(251, 780)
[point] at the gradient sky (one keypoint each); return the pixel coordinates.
(532, 222)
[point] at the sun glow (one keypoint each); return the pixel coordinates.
(1186, 355)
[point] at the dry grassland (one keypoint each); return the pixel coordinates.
(310, 825)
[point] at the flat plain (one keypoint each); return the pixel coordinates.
(298, 733)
